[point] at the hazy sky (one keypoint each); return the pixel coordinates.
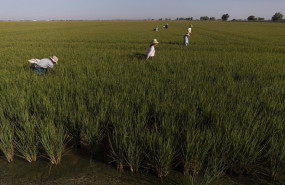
(135, 9)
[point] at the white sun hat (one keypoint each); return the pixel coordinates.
(54, 59)
(154, 41)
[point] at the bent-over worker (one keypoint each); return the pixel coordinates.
(39, 66)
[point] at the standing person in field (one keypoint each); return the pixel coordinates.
(151, 50)
(186, 41)
(190, 29)
(156, 28)
(38, 66)
(166, 26)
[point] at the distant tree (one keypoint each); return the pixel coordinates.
(204, 18)
(160, 19)
(260, 19)
(182, 18)
(251, 18)
(225, 17)
(277, 16)
(212, 18)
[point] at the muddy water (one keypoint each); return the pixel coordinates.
(74, 169)
(77, 169)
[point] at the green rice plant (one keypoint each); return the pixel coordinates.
(217, 158)
(27, 141)
(194, 150)
(117, 140)
(161, 152)
(91, 134)
(53, 139)
(276, 155)
(134, 148)
(7, 139)
(246, 145)
(216, 167)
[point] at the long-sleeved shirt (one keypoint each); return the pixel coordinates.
(150, 52)
(186, 42)
(45, 63)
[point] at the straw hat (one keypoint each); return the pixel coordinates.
(154, 41)
(54, 59)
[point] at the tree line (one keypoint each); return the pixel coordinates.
(276, 17)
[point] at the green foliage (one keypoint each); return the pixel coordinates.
(161, 151)
(53, 139)
(7, 139)
(92, 133)
(27, 141)
(194, 150)
(251, 18)
(225, 17)
(204, 18)
(277, 16)
(276, 153)
(118, 140)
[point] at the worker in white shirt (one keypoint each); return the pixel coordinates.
(190, 29)
(156, 28)
(186, 41)
(39, 66)
(166, 26)
(151, 50)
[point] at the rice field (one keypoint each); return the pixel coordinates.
(213, 109)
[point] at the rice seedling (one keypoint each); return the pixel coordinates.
(217, 163)
(194, 150)
(27, 141)
(276, 155)
(135, 148)
(117, 141)
(7, 139)
(92, 134)
(53, 139)
(216, 167)
(161, 152)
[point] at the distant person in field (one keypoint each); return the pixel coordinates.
(166, 26)
(39, 66)
(151, 50)
(156, 28)
(190, 29)
(186, 41)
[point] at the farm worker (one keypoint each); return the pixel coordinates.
(151, 51)
(186, 41)
(190, 29)
(39, 66)
(166, 26)
(156, 28)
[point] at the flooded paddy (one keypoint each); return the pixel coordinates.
(79, 169)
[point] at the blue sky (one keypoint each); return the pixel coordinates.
(134, 9)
